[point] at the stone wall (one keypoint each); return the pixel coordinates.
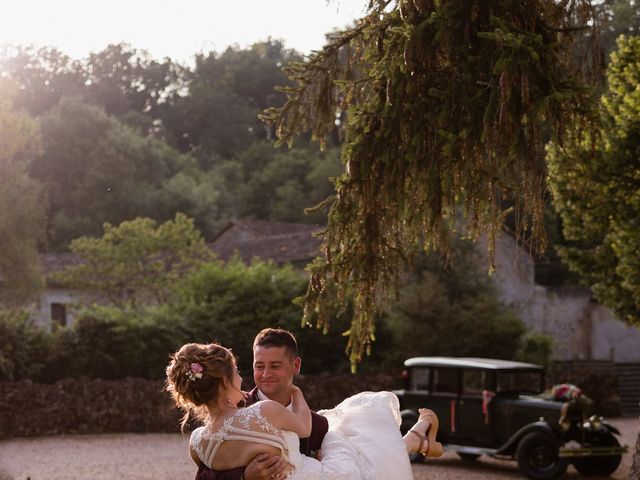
(581, 328)
(564, 314)
(132, 405)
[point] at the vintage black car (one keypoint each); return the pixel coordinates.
(497, 408)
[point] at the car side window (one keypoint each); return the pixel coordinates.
(420, 379)
(445, 380)
(474, 382)
(525, 382)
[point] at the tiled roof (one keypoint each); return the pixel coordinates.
(56, 262)
(277, 241)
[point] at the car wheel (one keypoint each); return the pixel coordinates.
(538, 458)
(409, 421)
(468, 457)
(600, 465)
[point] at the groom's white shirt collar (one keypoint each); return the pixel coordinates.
(262, 396)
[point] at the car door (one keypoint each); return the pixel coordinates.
(444, 398)
(417, 389)
(474, 409)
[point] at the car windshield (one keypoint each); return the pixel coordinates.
(523, 382)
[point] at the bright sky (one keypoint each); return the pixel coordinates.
(176, 29)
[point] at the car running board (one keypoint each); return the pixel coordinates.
(471, 450)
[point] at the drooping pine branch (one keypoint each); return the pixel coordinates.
(448, 106)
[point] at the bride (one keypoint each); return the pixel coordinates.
(363, 441)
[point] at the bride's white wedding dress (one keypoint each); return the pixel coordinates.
(363, 441)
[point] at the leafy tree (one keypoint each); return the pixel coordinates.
(126, 82)
(22, 213)
(211, 120)
(447, 104)
(442, 296)
(137, 262)
(618, 17)
(231, 302)
(252, 73)
(596, 187)
(123, 79)
(42, 76)
(278, 184)
(96, 170)
(218, 115)
(203, 196)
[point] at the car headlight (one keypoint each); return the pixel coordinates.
(595, 422)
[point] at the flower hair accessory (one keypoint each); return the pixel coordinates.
(195, 372)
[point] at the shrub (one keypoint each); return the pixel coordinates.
(536, 348)
(230, 303)
(111, 343)
(23, 346)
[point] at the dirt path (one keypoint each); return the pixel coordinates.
(164, 457)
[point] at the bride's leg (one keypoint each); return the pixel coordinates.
(422, 436)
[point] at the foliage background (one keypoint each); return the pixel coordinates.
(119, 135)
(230, 302)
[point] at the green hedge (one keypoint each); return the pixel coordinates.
(225, 303)
(438, 313)
(24, 347)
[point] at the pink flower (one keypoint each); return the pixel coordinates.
(195, 372)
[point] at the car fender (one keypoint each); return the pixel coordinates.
(409, 414)
(510, 447)
(408, 419)
(610, 427)
(607, 428)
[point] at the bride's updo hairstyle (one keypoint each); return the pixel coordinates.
(195, 375)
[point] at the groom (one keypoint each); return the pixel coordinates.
(275, 362)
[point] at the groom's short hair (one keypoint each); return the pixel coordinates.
(277, 337)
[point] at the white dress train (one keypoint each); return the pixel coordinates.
(363, 441)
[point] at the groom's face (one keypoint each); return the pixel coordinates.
(273, 370)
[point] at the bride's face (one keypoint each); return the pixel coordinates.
(273, 371)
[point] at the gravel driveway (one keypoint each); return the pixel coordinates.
(164, 457)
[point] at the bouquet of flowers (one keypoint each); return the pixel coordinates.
(565, 392)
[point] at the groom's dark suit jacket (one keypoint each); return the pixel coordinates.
(319, 427)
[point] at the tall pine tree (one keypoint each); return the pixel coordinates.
(446, 106)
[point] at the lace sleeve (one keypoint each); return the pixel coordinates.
(195, 442)
(252, 416)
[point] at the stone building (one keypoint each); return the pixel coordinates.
(582, 329)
